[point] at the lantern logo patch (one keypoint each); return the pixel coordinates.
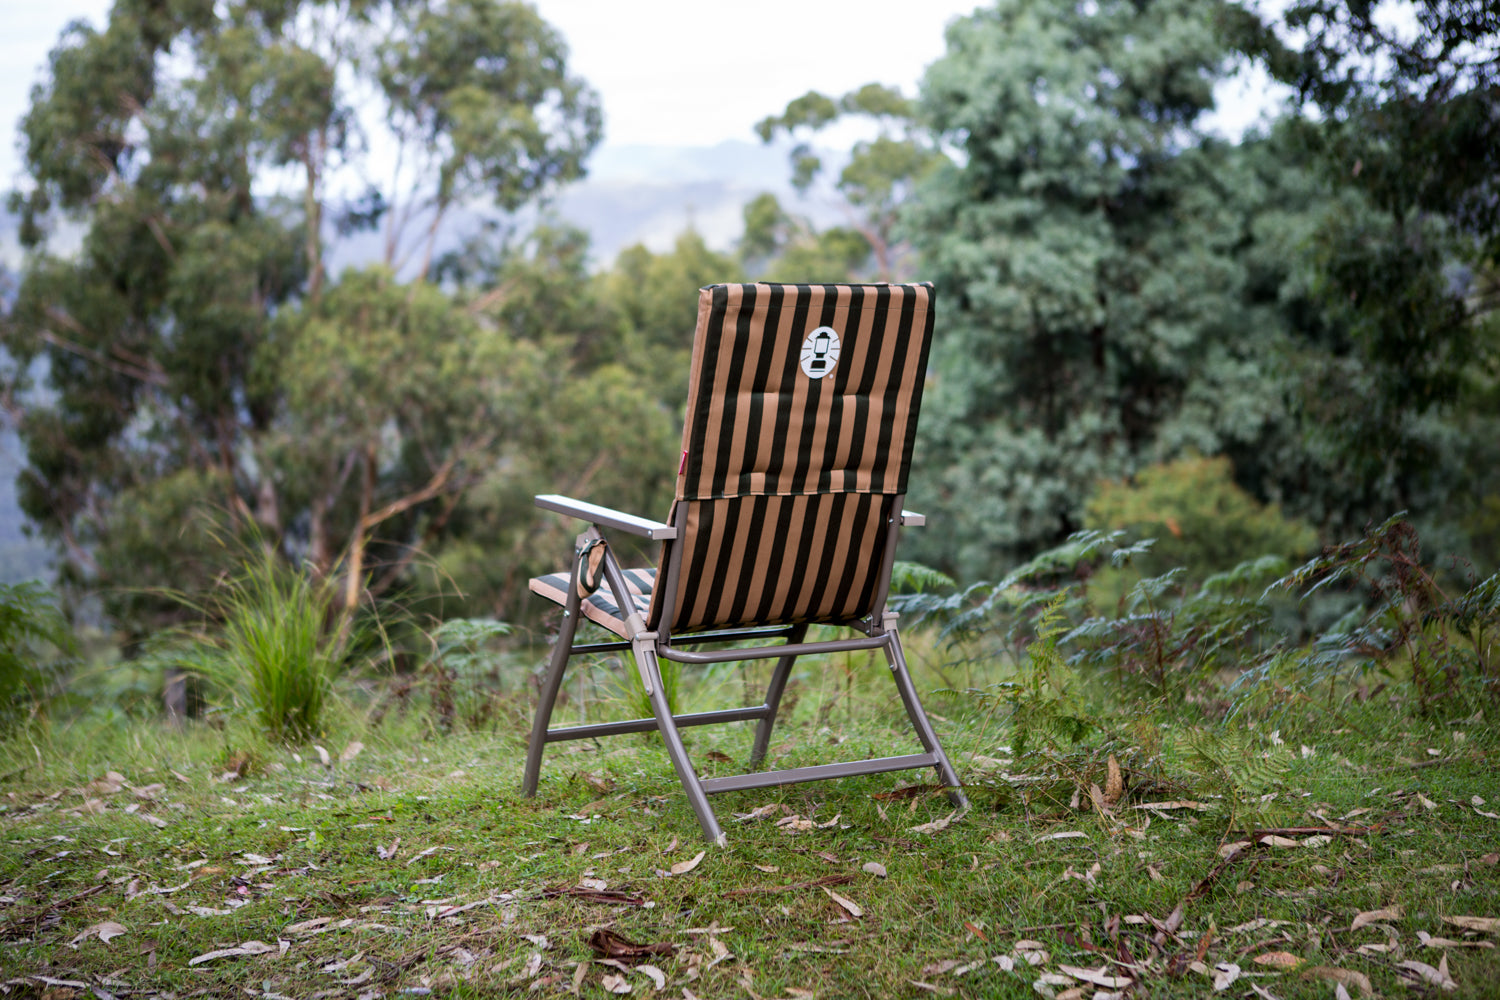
(820, 352)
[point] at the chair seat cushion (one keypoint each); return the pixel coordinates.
(600, 607)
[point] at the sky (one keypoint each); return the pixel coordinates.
(671, 72)
(683, 83)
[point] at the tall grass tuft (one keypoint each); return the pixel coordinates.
(274, 648)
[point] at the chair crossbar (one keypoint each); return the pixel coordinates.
(818, 772)
(651, 725)
(766, 652)
(584, 648)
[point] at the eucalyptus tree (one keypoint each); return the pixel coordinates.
(1087, 241)
(877, 179)
(1405, 123)
(196, 349)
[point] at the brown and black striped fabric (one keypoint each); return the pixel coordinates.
(757, 426)
(788, 482)
(600, 606)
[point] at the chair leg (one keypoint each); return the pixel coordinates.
(773, 700)
(897, 660)
(547, 697)
(645, 658)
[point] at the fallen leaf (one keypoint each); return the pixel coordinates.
(1489, 925)
(872, 867)
(1032, 952)
(683, 867)
(1225, 974)
(1278, 960)
(768, 869)
(615, 984)
(1099, 976)
(351, 751)
(105, 932)
(1062, 835)
(1348, 977)
(656, 975)
(1371, 916)
(937, 824)
(1436, 942)
(323, 756)
(1425, 973)
(248, 948)
(848, 904)
(721, 953)
(1174, 804)
(1114, 785)
(760, 812)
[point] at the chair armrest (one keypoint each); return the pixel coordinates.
(595, 514)
(912, 519)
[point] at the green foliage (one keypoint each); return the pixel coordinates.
(1119, 290)
(1405, 619)
(1201, 519)
(1088, 251)
(1237, 764)
(462, 671)
(914, 578)
(780, 246)
(35, 645)
(633, 690)
(1173, 640)
(877, 180)
(1046, 703)
(272, 644)
(196, 350)
(655, 310)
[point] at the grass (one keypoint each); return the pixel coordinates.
(274, 650)
(413, 867)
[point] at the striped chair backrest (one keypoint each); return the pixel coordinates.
(801, 417)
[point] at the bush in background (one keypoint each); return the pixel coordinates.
(273, 645)
(1201, 519)
(35, 648)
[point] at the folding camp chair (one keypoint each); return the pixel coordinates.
(802, 409)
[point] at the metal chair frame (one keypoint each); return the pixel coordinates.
(878, 630)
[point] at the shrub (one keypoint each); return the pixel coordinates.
(273, 646)
(35, 642)
(1201, 519)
